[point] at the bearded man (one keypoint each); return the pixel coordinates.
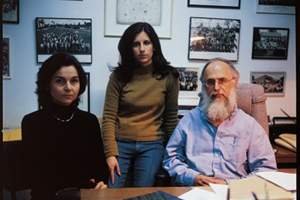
(217, 141)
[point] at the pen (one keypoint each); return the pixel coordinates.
(254, 196)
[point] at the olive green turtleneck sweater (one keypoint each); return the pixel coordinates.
(143, 110)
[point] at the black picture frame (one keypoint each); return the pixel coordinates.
(6, 72)
(213, 37)
(10, 11)
(84, 103)
(270, 43)
(273, 82)
(284, 7)
(71, 35)
(230, 4)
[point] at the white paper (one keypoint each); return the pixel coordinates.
(197, 193)
(221, 190)
(282, 179)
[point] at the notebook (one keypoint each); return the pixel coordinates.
(159, 195)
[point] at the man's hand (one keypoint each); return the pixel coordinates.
(205, 180)
(113, 166)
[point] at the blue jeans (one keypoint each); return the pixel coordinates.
(138, 162)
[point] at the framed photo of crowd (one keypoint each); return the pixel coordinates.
(215, 3)
(272, 82)
(10, 11)
(5, 58)
(213, 37)
(270, 43)
(71, 35)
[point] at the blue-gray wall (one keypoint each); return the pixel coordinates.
(19, 97)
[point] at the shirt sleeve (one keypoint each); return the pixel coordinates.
(110, 112)
(175, 161)
(170, 117)
(260, 155)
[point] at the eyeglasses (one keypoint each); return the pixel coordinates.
(221, 81)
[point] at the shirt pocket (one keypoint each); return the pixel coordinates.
(232, 149)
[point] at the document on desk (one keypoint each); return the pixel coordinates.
(246, 188)
(198, 193)
(284, 180)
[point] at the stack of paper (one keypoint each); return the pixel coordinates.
(287, 140)
(284, 180)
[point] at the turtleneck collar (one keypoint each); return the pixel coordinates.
(144, 69)
(62, 112)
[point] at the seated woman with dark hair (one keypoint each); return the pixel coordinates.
(63, 143)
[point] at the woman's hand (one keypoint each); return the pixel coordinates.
(205, 180)
(100, 185)
(113, 166)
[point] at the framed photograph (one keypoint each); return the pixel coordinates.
(273, 82)
(270, 43)
(120, 14)
(214, 3)
(64, 35)
(10, 11)
(276, 6)
(213, 37)
(84, 103)
(189, 85)
(5, 58)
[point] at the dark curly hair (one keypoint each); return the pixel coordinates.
(48, 69)
(128, 63)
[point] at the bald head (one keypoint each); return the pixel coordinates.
(223, 64)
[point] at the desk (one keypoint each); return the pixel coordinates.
(123, 193)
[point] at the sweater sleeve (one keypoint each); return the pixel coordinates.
(170, 117)
(110, 112)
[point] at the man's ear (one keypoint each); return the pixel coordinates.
(237, 81)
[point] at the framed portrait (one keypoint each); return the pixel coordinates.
(213, 37)
(84, 103)
(270, 43)
(215, 3)
(70, 35)
(10, 11)
(120, 14)
(272, 82)
(276, 6)
(6, 58)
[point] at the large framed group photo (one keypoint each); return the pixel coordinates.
(213, 37)
(270, 43)
(71, 35)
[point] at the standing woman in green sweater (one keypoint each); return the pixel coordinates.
(140, 109)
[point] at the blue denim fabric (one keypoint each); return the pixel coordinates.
(139, 163)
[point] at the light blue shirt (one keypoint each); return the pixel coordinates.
(236, 148)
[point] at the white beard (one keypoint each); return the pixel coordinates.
(218, 109)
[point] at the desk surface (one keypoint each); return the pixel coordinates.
(123, 193)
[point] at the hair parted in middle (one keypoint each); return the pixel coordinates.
(128, 62)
